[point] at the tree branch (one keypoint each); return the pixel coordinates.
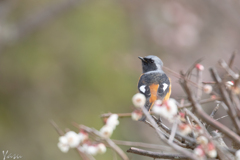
(156, 155)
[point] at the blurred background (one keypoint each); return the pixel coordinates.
(72, 60)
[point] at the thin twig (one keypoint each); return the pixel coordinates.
(143, 145)
(188, 141)
(199, 82)
(207, 118)
(174, 146)
(226, 99)
(193, 66)
(59, 131)
(203, 101)
(221, 117)
(230, 64)
(173, 132)
(213, 114)
(228, 69)
(156, 155)
(120, 115)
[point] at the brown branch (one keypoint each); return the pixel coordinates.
(199, 82)
(156, 155)
(178, 75)
(193, 66)
(179, 139)
(120, 115)
(213, 113)
(207, 118)
(55, 126)
(143, 145)
(226, 99)
(230, 64)
(174, 146)
(203, 101)
(228, 69)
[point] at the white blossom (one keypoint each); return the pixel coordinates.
(198, 151)
(112, 121)
(106, 131)
(207, 88)
(168, 109)
(83, 148)
(63, 147)
(63, 140)
(83, 136)
(92, 150)
(237, 155)
(211, 151)
(229, 84)
(136, 115)
(184, 129)
(101, 148)
(202, 140)
(139, 100)
(73, 139)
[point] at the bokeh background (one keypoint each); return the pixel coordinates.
(72, 60)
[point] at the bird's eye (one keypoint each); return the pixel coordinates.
(151, 61)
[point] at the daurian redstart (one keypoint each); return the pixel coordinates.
(153, 83)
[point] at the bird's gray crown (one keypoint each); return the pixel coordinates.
(151, 63)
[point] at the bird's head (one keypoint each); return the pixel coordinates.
(151, 63)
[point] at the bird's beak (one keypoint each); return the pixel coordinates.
(142, 59)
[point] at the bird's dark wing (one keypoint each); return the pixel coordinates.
(152, 81)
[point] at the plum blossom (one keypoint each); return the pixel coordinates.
(184, 129)
(139, 100)
(167, 109)
(136, 115)
(207, 88)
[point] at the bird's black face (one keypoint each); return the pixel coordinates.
(148, 64)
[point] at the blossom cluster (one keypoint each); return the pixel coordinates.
(82, 142)
(111, 123)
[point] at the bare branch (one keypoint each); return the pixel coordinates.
(226, 100)
(156, 155)
(120, 115)
(174, 146)
(230, 64)
(203, 101)
(144, 145)
(207, 118)
(59, 131)
(228, 69)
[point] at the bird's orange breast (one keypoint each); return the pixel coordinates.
(153, 91)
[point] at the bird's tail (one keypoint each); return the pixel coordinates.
(148, 106)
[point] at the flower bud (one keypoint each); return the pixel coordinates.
(106, 131)
(136, 115)
(199, 67)
(207, 88)
(184, 129)
(101, 148)
(139, 100)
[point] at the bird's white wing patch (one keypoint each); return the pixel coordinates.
(142, 88)
(165, 85)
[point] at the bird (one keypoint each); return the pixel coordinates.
(153, 83)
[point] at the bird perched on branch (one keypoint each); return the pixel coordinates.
(153, 83)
